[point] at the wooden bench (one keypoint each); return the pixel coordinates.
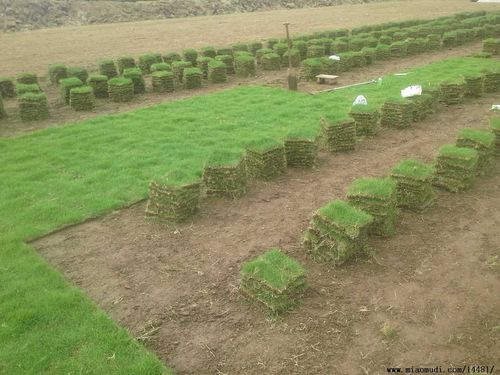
(326, 79)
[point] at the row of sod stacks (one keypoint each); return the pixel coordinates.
(244, 66)
(273, 280)
(22, 88)
(492, 82)
(397, 113)
(271, 61)
(7, 88)
(414, 185)
(310, 68)
(77, 72)
(125, 62)
(202, 63)
(82, 98)
(178, 69)
(301, 150)
(229, 61)
(27, 78)
(491, 46)
(455, 167)
(366, 118)
(121, 89)
(193, 78)
(108, 68)
(452, 92)
(337, 233)
(495, 128)
(217, 71)
(57, 72)
(135, 75)
(66, 84)
(339, 135)
(224, 175)
(162, 81)
(33, 106)
(481, 141)
(172, 203)
(423, 105)
(99, 84)
(474, 85)
(265, 159)
(378, 197)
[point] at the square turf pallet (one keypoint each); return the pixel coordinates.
(137, 77)
(452, 92)
(224, 175)
(366, 118)
(7, 87)
(265, 159)
(301, 150)
(33, 106)
(495, 128)
(483, 142)
(339, 135)
(455, 167)
(121, 89)
(82, 98)
(397, 113)
(163, 81)
(66, 85)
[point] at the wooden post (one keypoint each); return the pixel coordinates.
(291, 76)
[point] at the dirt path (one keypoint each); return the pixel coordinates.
(85, 45)
(61, 114)
(436, 282)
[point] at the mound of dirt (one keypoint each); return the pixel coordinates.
(16, 15)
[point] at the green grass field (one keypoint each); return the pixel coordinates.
(60, 176)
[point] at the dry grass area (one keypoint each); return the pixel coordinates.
(84, 45)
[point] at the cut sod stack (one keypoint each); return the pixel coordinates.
(224, 174)
(3, 114)
(7, 87)
(99, 84)
(434, 42)
(229, 61)
(474, 85)
(491, 46)
(377, 196)
(121, 89)
(33, 106)
(173, 198)
(190, 55)
(261, 52)
(125, 62)
(301, 46)
(170, 57)
(366, 118)
(398, 49)
(495, 128)
(57, 72)
(253, 47)
(423, 106)
(397, 113)
(383, 52)
(492, 81)
(22, 88)
(337, 232)
(146, 60)
(202, 63)
(296, 59)
(193, 78)
(66, 84)
(157, 67)
(80, 73)
(414, 184)
(271, 61)
(162, 81)
(274, 280)
(310, 68)
(82, 98)
(27, 78)
(108, 68)
(265, 158)
(452, 92)
(340, 135)
(217, 71)
(135, 74)
(178, 69)
(456, 167)
(244, 66)
(301, 148)
(481, 141)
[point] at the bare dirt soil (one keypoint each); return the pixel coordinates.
(61, 114)
(85, 45)
(435, 283)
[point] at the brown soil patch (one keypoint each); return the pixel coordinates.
(436, 282)
(61, 114)
(85, 45)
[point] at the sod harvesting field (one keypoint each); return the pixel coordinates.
(62, 176)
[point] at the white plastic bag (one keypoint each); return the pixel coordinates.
(334, 57)
(495, 107)
(360, 100)
(411, 91)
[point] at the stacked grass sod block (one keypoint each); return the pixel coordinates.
(434, 42)
(253, 47)
(492, 81)
(3, 114)
(265, 159)
(209, 51)
(190, 55)
(136, 75)
(339, 135)
(125, 62)
(310, 68)
(270, 61)
(301, 46)
(27, 78)
(280, 49)
(7, 87)
(449, 39)
(178, 69)
(145, 62)
(383, 52)
(474, 85)
(366, 118)
(66, 84)
(315, 51)
(121, 89)
(77, 72)
(295, 58)
(452, 92)
(455, 167)
(337, 233)
(261, 52)
(398, 49)
(224, 51)
(163, 81)
(273, 280)
(170, 57)
(82, 98)
(492, 46)
(192, 78)
(217, 71)
(173, 198)
(244, 66)
(495, 128)
(346, 61)
(239, 47)
(57, 72)
(369, 54)
(483, 142)
(22, 88)
(329, 66)
(422, 106)
(33, 106)
(414, 184)
(228, 60)
(224, 175)
(378, 197)
(108, 68)
(99, 84)
(397, 113)
(156, 67)
(271, 42)
(202, 63)
(301, 148)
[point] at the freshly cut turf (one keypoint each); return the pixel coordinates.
(414, 184)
